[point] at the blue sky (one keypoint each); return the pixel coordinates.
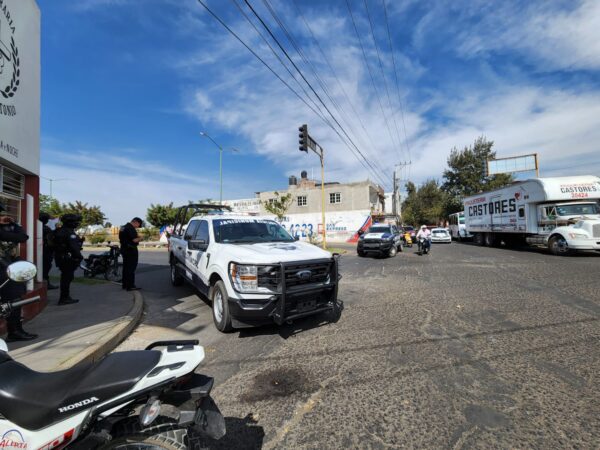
(127, 86)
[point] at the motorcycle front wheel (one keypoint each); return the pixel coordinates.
(114, 273)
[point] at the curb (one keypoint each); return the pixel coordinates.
(119, 331)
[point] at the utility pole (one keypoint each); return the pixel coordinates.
(397, 206)
(52, 180)
(306, 142)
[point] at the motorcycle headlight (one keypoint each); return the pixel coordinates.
(244, 277)
(578, 236)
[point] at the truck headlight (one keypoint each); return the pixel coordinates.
(578, 236)
(244, 277)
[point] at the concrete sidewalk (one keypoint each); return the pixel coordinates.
(88, 330)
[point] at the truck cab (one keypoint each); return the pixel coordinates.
(250, 268)
(570, 226)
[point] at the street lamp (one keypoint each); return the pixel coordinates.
(51, 180)
(206, 135)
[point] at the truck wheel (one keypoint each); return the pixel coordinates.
(558, 246)
(176, 278)
(392, 251)
(478, 239)
(360, 253)
(220, 307)
(489, 239)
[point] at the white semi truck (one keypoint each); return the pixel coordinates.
(561, 213)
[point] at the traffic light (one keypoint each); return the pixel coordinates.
(303, 138)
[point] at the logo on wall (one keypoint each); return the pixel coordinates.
(9, 56)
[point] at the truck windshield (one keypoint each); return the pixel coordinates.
(577, 209)
(236, 231)
(379, 229)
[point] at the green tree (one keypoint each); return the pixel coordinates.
(424, 205)
(161, 215)
(50, 205)
(465, 175)
(279, 205)
(90, 215)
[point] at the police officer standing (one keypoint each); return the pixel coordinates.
(48, 249)
(67, 255)
(129, 240)
(11, 235)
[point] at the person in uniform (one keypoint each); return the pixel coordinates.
(67, 255)
(129, 239)
(11, 235)
(48, 249)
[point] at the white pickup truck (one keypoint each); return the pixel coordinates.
(250, 268)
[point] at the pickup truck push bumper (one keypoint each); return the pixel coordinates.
(301, 288)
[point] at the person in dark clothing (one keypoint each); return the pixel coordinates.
(11, 235)
(67, 255)
(48, 249)
(129, 239)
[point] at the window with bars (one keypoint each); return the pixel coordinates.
(12, 190)
(301, 200)
(335, 197)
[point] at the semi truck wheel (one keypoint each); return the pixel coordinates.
(490, 239)
(558, 246)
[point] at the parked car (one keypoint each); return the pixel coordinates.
(381, 238)
(250, 268)
(441, 235)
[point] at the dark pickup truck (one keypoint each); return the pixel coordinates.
(384, 239)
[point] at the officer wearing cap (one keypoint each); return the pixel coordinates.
(129, 240)
(67, 255)
(11, 235)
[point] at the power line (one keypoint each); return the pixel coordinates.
(370, 72)
(310, 87)
(326, 59)
(387, 25)
(276, 74)
(383, 76)
(256, 55)
(320, 81)
(320, 113)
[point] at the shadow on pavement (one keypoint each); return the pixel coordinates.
(291, 329)
(241, 434)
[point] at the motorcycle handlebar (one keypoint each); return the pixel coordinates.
(27, 301)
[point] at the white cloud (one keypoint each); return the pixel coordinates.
(125, 186)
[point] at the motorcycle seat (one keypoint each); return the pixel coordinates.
(34, 400)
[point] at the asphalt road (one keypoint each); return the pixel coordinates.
(467, 347)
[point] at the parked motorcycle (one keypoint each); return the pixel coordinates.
(114, 403)
(408, 242)
(423, 246)
(106, 263)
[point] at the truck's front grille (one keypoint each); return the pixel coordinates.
(295, 274)
(596, 230)
(300, 274)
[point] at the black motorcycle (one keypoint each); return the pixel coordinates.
(424, 245)
(106, 264)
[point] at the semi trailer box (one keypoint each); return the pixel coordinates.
(562, 213)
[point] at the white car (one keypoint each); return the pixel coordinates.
(441, 235)
(251, 269)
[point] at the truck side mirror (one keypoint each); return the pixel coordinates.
(360, 232)
(197, 244)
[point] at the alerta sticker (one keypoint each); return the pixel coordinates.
(13, 439)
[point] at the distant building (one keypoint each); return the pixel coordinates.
(250, 206)
(20, 131)
(348, 207)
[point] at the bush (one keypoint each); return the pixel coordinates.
(98, 237)
(150, 234)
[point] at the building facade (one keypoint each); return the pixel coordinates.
(348, 207)
(20, 125)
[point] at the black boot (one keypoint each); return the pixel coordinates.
(22, 331)
(67, 301)
(18, 335)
